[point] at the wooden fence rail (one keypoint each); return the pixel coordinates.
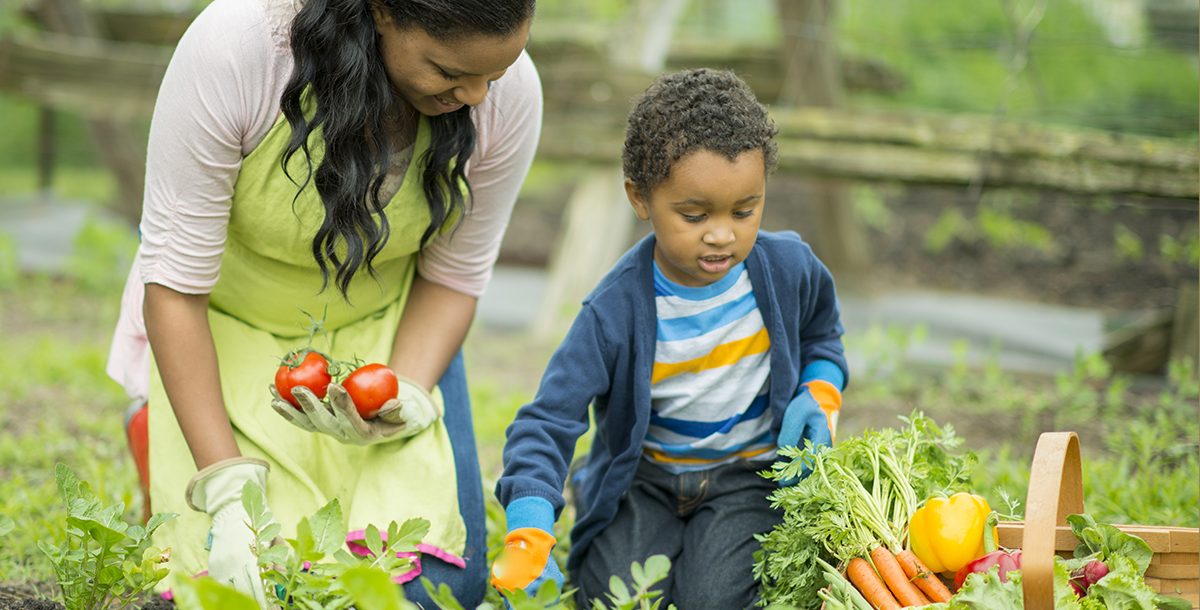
(585, 111)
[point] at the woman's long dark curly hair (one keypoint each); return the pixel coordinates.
(337, 60)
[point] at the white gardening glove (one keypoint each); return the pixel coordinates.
(217, 490)
(413, 408)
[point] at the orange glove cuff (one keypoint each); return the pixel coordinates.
(523, 559)
(826, 395)
(828, 398)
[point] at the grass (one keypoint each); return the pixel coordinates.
(64, 409)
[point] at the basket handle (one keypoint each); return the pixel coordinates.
(1055, 491)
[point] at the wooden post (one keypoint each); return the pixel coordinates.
(118, 147)
(597, 225)
(45, 153)
(598, 221)
(1185, 330)
(812, 77)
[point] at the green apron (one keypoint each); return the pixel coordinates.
(258, 311)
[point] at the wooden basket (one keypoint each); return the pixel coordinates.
(1055, 491)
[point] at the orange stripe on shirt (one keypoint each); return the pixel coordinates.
(721, 355)
(744, 454)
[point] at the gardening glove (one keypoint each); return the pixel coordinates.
(812, 414)
(413, 409)
(525, 562)
(217, 490)
(296, 416)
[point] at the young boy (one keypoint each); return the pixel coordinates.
(709, 345)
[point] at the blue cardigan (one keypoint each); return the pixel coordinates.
(606, 359)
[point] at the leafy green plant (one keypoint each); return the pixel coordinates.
(871, 208)
(105, 562)
(1180, 250)
(644, 577)
(994, 224)
(297, 569)
(950, 225)
(1144, 467)
(314, 571)
(1004, 231)
(1128, 244)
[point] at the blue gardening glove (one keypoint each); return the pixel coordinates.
(812, 414)
(525, 562)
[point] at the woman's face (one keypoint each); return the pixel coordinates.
(439, 76)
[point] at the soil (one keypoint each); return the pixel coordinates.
(36, 597)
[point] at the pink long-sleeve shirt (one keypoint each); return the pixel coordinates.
(218, 99)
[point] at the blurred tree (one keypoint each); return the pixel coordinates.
(597, 222)
(812, 77)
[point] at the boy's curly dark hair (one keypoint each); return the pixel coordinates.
(690, 110)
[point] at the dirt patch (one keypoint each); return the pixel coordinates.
(36, 597)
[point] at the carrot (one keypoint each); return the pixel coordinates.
(893, 575)
(919, 573)
(860, 572)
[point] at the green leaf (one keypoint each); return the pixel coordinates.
(69, 485)
(547, 594)
(274, 555)
(252, 501)
(442, 595)
(303, 544)
(1123, 587)
(639, 577)
(988, 592)
(373, 589)
(1064, 595)
(1108, 541)
(373, 541)
(1163, 602)
(657, 568)
(156, 520)
(410, 533)
(96, 530)
(328, 532)
(268, 534)
(6, 525)
(208, 594)
(619, 592)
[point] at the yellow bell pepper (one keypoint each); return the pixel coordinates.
(947, 533)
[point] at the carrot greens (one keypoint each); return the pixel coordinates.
(860, 495)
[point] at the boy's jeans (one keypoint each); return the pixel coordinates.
(704, 522)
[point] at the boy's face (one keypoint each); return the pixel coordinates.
(705, 215)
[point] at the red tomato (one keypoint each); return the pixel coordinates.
(312, 373)
(369, 386)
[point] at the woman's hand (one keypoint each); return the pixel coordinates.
(410, 412)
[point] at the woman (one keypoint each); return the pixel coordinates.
(353, 159)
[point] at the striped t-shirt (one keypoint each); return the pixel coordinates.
(711, 372)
